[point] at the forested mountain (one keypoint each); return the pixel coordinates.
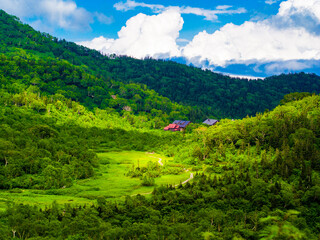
(25, 72)
(212, 94)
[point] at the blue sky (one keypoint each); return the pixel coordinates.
(243, 38)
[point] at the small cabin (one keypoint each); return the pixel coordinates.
(177, 125)
(210, 122)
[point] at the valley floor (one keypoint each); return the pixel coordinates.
(111, 181)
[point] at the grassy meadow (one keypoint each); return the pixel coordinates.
(110, 181)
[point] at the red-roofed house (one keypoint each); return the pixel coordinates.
(177, 125)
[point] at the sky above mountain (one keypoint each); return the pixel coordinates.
(253, 37)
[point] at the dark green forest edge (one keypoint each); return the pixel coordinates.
(255, 178)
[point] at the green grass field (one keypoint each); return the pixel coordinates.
(110, 181)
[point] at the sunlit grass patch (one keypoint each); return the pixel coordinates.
(110, 181)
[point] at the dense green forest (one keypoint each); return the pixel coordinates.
(255, 183)
(22, 72)
(62, 104)
(212, 94)
(49, 149)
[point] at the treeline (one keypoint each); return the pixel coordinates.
(212, 94)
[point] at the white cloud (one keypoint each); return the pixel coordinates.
(242, 76)
(103, 18)
(130, 5)
(144, 36)
(223, 7)
(297, 13)
(101, 44)
(252, 41)
(52, 13)
(18, 7)
(41, 26)
(261, 41)
(210, 15)
(270, 2)
(66, 14)
(287, 66)
(303, 8)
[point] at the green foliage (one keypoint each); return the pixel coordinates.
(294, 97)
(51, 149)
(60, 80)
(39, 154)
(147, 180)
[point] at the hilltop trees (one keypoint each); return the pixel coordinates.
(209, 93)
(53, 77)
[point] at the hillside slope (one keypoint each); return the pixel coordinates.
(22, 71)
(212, 94)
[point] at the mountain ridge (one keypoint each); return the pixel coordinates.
(212, 94)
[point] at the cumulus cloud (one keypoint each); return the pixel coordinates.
(66, 14)
(297, 13)
(252, 42)
(278, 43)
(310, 8)
(101, 44)
(210, 15)
(261, 41)
(53, 13)
(144, 36)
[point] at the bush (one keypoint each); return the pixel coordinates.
(147, 180)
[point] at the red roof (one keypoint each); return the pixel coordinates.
(172, 127)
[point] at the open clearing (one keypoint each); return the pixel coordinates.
(110, 181)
